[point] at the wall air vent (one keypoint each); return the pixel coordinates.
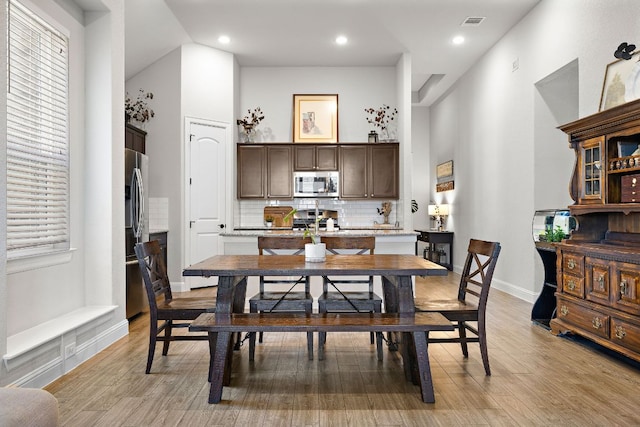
(473, 21)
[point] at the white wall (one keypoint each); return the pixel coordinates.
(487, 125)
(421, 175)
(272, 90)
(191, 81)
(88, 275)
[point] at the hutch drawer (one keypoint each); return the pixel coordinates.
(589, 320)
(626, 288)
(573, 285)
(597, 280)
(573, 263)
(625, 334)
(630, 188)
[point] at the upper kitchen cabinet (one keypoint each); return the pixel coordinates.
(312, 157)
(369, 171)
(264, 171)
(134, 138)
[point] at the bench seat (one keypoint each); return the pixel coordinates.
(221, 326)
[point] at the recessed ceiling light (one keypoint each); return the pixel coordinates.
(458, 40)
(224, 39)
(341, 40)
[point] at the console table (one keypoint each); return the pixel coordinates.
(439, 247)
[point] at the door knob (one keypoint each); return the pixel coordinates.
(221, 226)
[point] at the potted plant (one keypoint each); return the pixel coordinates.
(249, 123)
(316, 251)
(382, 118)
(268, 220)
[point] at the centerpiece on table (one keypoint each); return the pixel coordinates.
(137, 111)
(249, 123)
(382, 118)
(316, 251)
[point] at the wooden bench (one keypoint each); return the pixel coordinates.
(221, 326)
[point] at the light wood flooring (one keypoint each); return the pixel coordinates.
(538, 380)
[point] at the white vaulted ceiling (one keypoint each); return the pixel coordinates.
(302, 32)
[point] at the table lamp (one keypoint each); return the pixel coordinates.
(439, 212)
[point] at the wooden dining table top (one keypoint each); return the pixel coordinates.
(335, 265)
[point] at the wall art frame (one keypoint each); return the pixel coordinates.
(315, 118)
(621, 82)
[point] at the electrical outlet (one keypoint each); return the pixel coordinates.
(69, 350)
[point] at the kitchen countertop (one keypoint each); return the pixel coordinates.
(356, 232)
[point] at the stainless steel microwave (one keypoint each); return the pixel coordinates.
(315, 184)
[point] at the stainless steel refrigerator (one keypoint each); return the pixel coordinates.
(136, 174)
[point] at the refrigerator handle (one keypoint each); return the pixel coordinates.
(137, 203)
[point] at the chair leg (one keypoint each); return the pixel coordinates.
(153, 333)
(167, 335)
(308, 310)
(252, 337)
(462, 332)
(482, 339)
(322, 336)
(379, 345)
(372, 338)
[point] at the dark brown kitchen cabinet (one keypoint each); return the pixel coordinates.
(312, 157)
(134, 138)
(369, 171)
(264, 171)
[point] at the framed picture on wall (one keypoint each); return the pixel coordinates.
(621, 82)
(315, 118)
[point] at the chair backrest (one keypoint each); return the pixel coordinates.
(154, 272)
(346, 244)
(272, 245)
(478, 271)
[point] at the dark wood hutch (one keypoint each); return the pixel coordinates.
(598, 267)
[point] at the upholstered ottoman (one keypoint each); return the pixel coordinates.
(27, 407)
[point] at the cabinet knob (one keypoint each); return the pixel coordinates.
(620, 332)
(571, 285)
(601, 282)
(596, 322)
(623, 288)
(571, 264)
(564, 310)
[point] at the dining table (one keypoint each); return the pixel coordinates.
(395, 270)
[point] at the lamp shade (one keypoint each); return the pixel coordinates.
(441, 210)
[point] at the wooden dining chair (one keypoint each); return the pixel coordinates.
(165, 311)
(271, 297)
(349, 294)
(475, 281)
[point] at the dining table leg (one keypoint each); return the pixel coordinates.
(230, 298)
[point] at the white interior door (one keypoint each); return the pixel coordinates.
(206, 199)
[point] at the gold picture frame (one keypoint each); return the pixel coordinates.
(621, 82)
(315, 118)
(444, 169)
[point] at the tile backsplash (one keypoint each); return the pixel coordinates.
(249, 213)
(158, 213)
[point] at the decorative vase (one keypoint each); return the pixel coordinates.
(248, 135)
(315, 252)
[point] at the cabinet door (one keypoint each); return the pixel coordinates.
(304, 157)
(134, 138)
(326, 158)
(591, 163)
(626, 287)
(252, 173)
(597, 280)
(383, 172)
(353, 172)
(279, 172)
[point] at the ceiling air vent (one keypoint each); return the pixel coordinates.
(473, 21)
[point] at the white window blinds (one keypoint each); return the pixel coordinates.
(37, 135)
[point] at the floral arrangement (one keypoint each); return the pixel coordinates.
(249, 122)
(381, 117)
(138, 109)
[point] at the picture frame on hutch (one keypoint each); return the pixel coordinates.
(621, 82)
(315, 118)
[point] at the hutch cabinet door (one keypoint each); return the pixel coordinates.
(626, 287)
(597, 280)
(591, 163)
